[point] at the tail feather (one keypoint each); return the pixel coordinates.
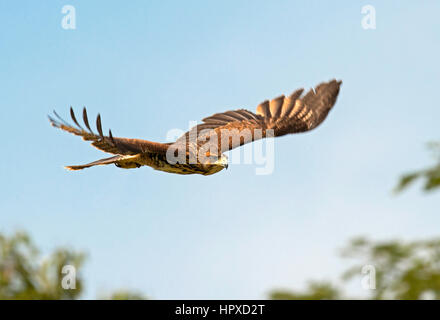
(105, 161)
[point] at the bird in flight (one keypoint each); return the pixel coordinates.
(200, 150)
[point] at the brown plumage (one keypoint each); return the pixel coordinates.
(280, 116)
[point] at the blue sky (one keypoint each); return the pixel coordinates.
(149, 67)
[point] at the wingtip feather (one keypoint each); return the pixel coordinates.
(99, 126)
(86, 120)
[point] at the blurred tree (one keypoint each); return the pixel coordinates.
(24, 275)
(402, 271)
(430, 175)
(315, 291)
(126, 295)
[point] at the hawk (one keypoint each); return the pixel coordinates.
(201, 149)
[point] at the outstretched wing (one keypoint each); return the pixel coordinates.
(283, 115)
(110, 144)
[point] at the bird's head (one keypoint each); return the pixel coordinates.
(222, 161)
(216, 164)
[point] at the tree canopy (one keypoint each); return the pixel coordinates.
(403, 270)
(25, 275)
(430, 175)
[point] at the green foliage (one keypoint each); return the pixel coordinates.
(431, 176)
(404, 271)
(127, 295)
(23, 275)
(315, 291)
